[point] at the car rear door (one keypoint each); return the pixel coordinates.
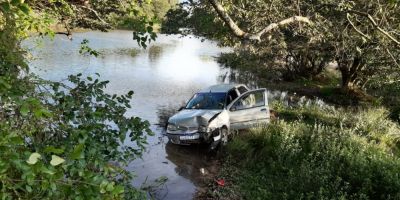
(249, 110)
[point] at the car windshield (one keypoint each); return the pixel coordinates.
(207, 101)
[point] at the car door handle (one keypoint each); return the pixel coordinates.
(264, 109)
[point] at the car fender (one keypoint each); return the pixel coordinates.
(222, 119)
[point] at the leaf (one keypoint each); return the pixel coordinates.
(25, 8)
(33, 158)
(28, 188)
(110, 187)
(47, 171)
(51, 149)
(130, 93)
(56, 160)
(77, 152)
(15, 2)
(5, 6)
(118, 190)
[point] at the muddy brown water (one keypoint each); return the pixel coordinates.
(163, 76)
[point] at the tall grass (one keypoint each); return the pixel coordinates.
(318, 153)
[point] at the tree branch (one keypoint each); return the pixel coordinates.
(355, 28)
(68, 33)
(252, 36)
(96, 14)
(372, 20)
(382, 31)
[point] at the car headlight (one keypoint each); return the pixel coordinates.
(202, 128)
(171, 127)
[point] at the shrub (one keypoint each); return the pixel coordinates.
(68, 141)
(319, 153)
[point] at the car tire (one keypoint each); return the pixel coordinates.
(224, 136)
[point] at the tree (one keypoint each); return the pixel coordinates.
(360, 36)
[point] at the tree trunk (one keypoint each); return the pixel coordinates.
(350, 72)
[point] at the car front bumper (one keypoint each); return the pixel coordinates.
(194, 138)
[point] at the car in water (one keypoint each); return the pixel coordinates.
(212, 114)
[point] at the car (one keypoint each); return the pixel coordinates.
(212, 114)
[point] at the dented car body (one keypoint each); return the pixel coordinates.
(213, 113)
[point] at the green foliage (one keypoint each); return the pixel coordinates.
(360, 36)
(319, 153)
(70, 142)
(196, 18)
(155, 10)
(86, 50)
(62, 140)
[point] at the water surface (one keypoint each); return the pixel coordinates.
(163, 76)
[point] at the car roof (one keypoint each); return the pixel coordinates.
(221, 88)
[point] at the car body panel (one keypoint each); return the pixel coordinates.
(249, 110)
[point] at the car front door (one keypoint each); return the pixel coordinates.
(249, 109)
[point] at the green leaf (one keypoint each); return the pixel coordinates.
(25, 8)
(130, 93)
(28, 188)
(6, 6)
(17, 140)
(55, 160)
(118, 190)
(33, 158)
(51, 149)
(45, 170)
(110, 187)
(24, 109)
(15, 2)
(77, 153)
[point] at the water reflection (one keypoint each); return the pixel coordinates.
(192, 162)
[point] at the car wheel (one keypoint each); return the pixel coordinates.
(224, 135)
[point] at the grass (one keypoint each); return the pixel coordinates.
(314, 152)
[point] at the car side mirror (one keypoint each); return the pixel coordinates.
(233, 108)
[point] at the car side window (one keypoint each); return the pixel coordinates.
(232, 95)
(249, 101)
(242, 89)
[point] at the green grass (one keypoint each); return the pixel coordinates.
(315, 153)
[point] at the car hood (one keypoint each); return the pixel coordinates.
(193, 117)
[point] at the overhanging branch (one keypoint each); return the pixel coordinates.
(237, 31)
(372, 20)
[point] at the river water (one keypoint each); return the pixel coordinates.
(163, 77)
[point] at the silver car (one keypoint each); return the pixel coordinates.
(213, 113)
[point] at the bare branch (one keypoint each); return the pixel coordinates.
(227, 19)
(355, 28)
(96, 14)
(68, 32)
(237, 31)
(65, 33)
(382, 31)
(273, 26)
(372, 20)
(394, 59)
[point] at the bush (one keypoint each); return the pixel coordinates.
(320, 153)
(68, 141)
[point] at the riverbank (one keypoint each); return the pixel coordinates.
(313, 152)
